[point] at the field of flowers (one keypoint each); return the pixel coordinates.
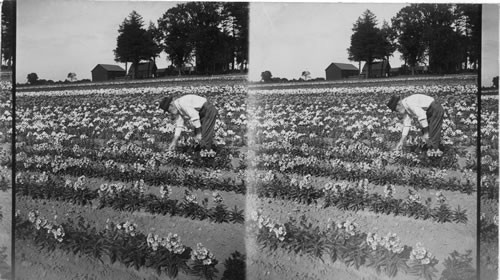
(5, 177)
(303, 183)
(489, 188)
(100, 196)
(328, 196)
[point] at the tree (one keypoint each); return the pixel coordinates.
(367, 42)
(72, 76)
(389, 41)
(133, 43)
(445, 45)
(210, 40)
(210, 33)
(8, 30)
(32, 78)
(469, 20)
(409, 27)
(306, 75)
(266, 76)
(237, 22)
(154, 36)
(176, 27)
(495, 82)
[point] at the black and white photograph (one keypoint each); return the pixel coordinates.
(131, 126)
(488, 196)
(249, 140)
(7, 39)
(365, 140)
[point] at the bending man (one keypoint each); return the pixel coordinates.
(426, 110)
(198, 111)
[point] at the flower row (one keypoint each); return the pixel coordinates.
(119, 242)
(345, 243)
(341, 195)
(149, 157)
(128, 198)
(131, 173)
(129, 83)
(355, 197)
(375, 172)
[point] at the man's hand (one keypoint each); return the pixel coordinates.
(197, 137)
(171, 147)
(399, 146)
(426, 137)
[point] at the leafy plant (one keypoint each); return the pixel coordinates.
(459, 267)
(235, 267)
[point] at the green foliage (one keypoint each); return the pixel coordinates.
(235, 267)
(32, 78)
(266, 76)
(444, 35)
(8, 31)
(367, 41)
(214, 33)
(130, 249)
(409, 27)
(134, 43)
(459, 267)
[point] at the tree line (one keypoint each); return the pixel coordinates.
(8, 32)
(210, 36)
(445, 36)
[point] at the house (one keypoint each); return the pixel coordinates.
(145, 70)
(396, 71)
(379, 69)
(418, 70)
(106, 72)
(337, 71)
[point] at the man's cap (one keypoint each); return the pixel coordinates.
(393, 102)
(165, 102)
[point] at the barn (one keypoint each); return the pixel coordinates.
(106, 72)
(379, 69)
(337, 71)
(145, 70)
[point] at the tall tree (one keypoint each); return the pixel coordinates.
(133, 43)
(469, 19)
(8, 30)
(389, 41)
(367, 42)
(445, 46)
(198, 30)
(237, 22)
(209, 38)
(72, 76)
(154, 36)
(408, 24)
(176, 27)
(32, 78)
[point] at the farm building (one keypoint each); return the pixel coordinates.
(337, 71)
(379, 69)
(145, 70)
(106, 72)
(418, 70)
(396, 71)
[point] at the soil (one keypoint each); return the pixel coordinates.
(222, 240)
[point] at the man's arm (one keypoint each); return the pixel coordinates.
(197, 133)
(179, 125)
(404, 134)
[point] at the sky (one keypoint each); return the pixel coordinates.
(490, 51)
(289, 38)
(56, 37)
